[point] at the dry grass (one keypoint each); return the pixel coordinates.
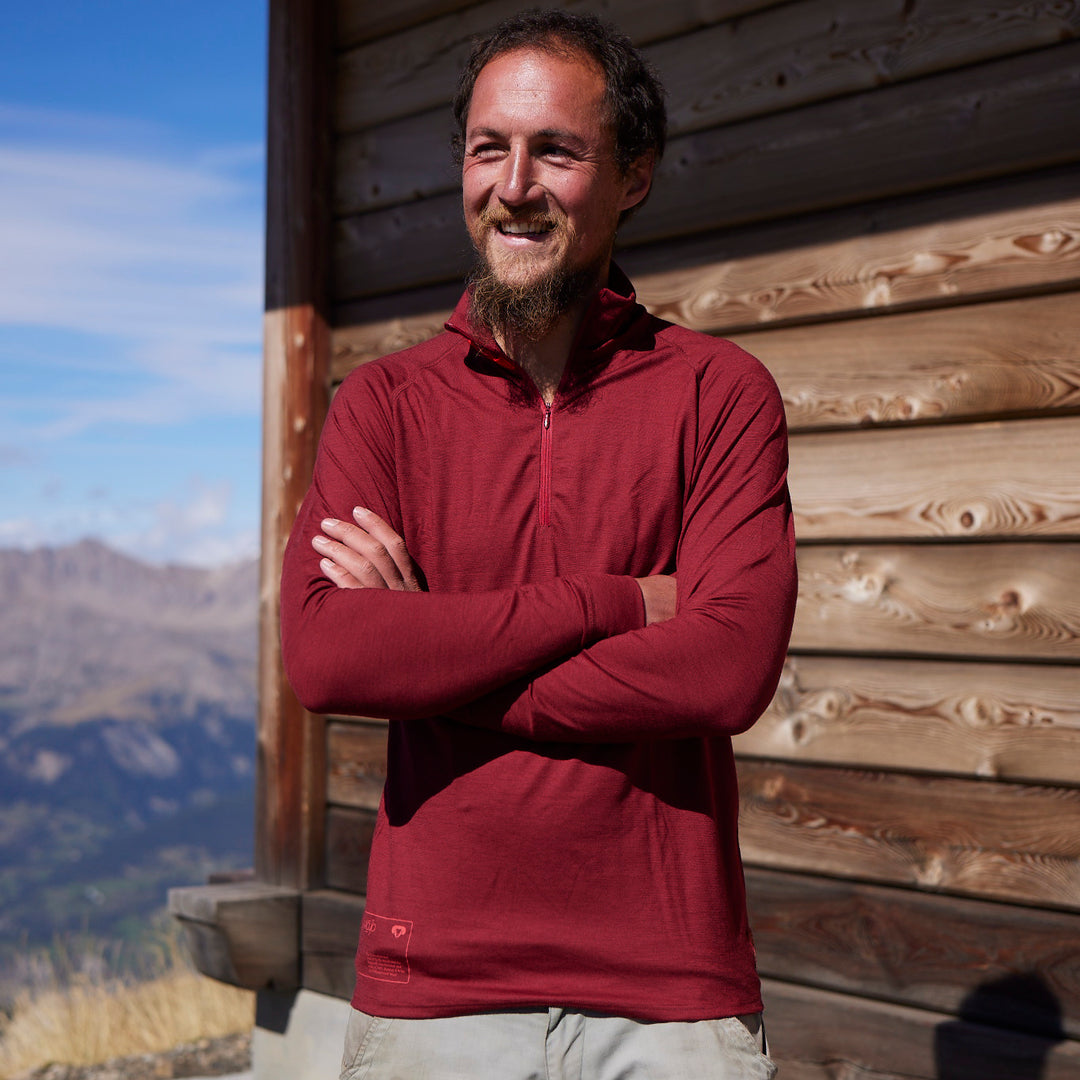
(92, 1020)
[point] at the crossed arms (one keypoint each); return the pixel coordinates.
(592, 657)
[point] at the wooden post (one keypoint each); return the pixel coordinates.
(291, 781)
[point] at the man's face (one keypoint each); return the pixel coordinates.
(541, 189)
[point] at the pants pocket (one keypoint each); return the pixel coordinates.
(362, 1037)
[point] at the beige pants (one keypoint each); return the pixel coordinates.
(557, 1044)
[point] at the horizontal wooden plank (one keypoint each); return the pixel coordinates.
(984, 241)
(1018, 601)
(820, 1035)
(243, 933)
(356, 22)
(330, 922)
(989, 120)
(769, 61)
(418, 68)
(931, 952)
(1003, 721)
(334, 976)
(1013, 357)
(1015, 478)
(348, 845)
(903, 139)
(968, 837)
(356, 763)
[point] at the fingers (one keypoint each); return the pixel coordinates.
(367, 555)
(394, 546)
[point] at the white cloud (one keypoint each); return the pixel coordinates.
(194, 524)
(159, 253)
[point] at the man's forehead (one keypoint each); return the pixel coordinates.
(530, 74)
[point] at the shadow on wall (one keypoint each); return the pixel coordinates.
(1027, 1026)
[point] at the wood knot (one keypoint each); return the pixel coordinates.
(1048, 242)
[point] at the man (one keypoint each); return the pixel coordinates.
(488, 557)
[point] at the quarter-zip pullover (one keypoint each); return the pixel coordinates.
(558, 826)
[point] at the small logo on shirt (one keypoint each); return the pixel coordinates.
(384, 948)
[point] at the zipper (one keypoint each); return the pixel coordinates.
(544, 499)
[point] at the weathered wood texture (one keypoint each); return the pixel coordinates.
(244, 933)
(356, 763)
(913, 137)
(291, 768)
(1003, 841)
(418, 68)
(986, 241)
(1011, 479)
(915, 949)
(820, 1035)
(329, 933)
(348, 845)
(1010, 358)
(769, 61)
(1012, 601)
(997, 721)
(932, 952)
(967, 837)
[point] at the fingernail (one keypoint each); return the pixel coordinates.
(360, 511)
(325, 565)
(329, 523)
(320, 541)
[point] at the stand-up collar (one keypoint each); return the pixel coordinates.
(612, 313)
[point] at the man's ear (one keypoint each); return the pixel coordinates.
(638, 181)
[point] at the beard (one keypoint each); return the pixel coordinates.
(529, 309)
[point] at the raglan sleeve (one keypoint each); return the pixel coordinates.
(712, 668)
(374, 652)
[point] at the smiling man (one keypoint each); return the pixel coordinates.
(553, 546)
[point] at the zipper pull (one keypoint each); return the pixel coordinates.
(547, 416)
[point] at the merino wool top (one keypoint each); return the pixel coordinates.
(558, 826)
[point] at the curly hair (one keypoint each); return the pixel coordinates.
(633, 92)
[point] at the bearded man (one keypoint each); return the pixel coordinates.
(553, 546)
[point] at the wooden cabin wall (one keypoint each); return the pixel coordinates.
(880, 199)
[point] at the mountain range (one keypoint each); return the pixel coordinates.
(127, 743)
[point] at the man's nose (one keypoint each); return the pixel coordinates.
(517, 178)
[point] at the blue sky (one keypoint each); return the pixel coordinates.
(131, 247)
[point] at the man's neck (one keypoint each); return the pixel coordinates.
(545, 360)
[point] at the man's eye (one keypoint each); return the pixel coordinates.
(553, 150)
(485, 150)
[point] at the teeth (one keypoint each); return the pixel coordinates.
(523, 230)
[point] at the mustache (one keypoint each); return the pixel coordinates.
(491, 217)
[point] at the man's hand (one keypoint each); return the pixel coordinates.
(659, 594)
(367, 555)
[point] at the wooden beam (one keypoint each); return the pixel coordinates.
(1010, 358)
(244, 933)
(289, 795)
(899, 140)
(995, 721)
(819, 1035)
(348, 845)
(356, 763)
(986, 241)
(965, 837)
(1004, 479)
(930, 952)
(773, 60)
(1010, 601)
(330, 923)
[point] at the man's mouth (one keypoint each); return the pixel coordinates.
(525, 228)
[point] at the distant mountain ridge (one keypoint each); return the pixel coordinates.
(127, 735)
(88, 633)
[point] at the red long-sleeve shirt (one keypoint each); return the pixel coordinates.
(559, 820)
